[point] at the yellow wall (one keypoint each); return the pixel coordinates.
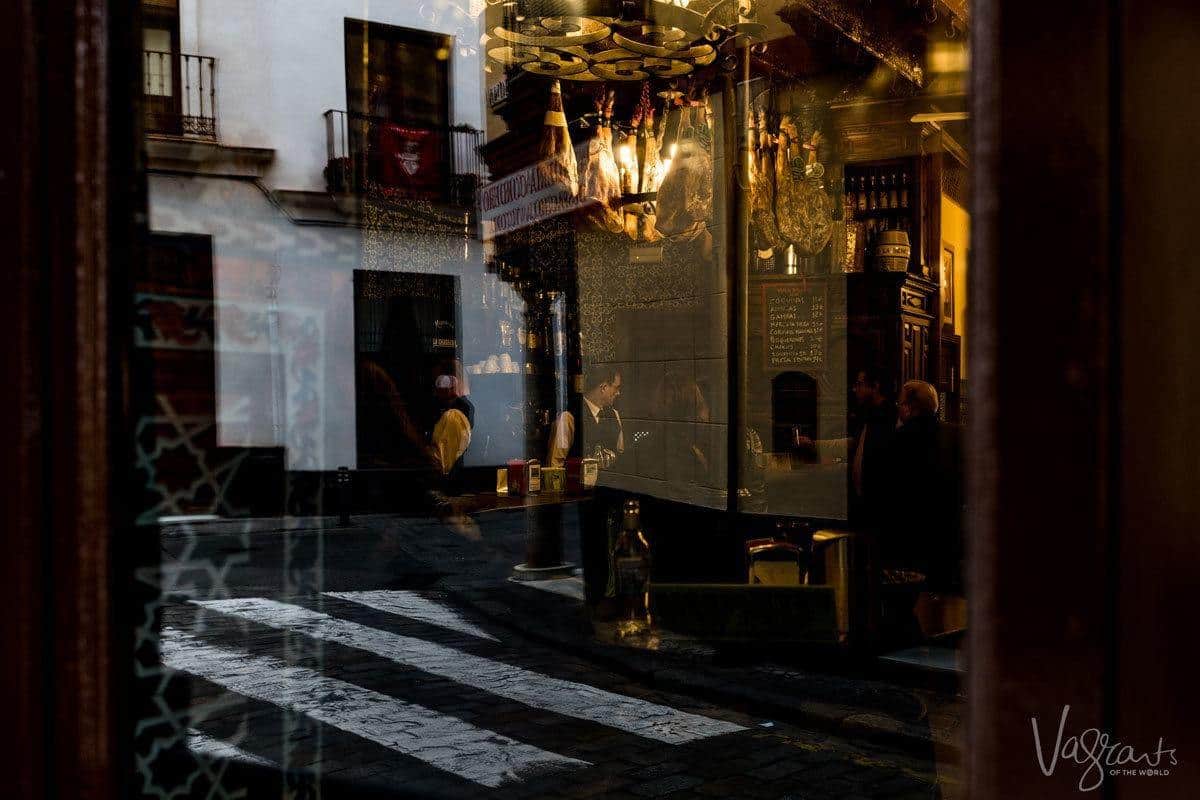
(956, 232)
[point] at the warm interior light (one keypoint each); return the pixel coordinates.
(581, 46)
(941, 116)
(949, 58)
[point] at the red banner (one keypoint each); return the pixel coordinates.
(408, 159)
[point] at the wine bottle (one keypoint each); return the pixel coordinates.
(631, 571)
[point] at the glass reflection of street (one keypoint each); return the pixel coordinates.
(393, 655)
(551, 405)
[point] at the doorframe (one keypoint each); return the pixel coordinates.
(1032, 507)
(1082, 548)
(71, 195)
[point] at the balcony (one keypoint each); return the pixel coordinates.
(498, 94)
(404, 162)
(179, 94)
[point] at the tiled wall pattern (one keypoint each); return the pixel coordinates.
(666, 326)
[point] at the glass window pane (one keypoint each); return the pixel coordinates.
(497, 360)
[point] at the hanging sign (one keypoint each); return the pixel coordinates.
(526, 197)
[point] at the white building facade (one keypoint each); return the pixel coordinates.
(286, 240)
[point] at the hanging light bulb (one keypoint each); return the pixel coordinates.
(628, 167)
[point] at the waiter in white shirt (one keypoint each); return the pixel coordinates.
(603, 436)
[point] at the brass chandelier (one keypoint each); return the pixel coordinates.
(615, 40)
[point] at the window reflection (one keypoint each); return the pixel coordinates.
(461, 322)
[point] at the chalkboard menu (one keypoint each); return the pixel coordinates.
(796, 324)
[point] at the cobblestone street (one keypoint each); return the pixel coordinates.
(362, 690)
(434, 707)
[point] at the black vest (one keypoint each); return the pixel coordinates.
(605, 432)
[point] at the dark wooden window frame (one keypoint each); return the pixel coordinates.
(71, 198)
(401, 35)
(1083, 547)
(1082, 539)
(165, 112)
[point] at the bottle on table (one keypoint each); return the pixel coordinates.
(631, 570)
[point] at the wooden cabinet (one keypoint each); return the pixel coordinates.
(891, 326)
(914, 363)
(949, 382)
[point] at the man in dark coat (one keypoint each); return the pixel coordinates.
(925, 518)
(874, 426)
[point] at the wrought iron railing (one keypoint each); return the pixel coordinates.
(179, 92)
(439, 164)
(498, 93)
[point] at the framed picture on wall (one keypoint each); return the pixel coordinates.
(948, 287)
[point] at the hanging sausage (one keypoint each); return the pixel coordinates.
(762, 185)
(650, 167)
(685, 196)
(601, 181)
(558, 165)
(649, 159)
(803, 209)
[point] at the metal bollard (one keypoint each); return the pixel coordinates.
(345, 487)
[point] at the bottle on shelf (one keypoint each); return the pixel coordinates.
(894, 191)
(904, 190)
(873, 197)
(851, 196)
(630, 571)
(885, 182)
(861, 205)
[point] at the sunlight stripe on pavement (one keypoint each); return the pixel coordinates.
(414, 606)
(202, 744)
(568, 698)
(442, 741)
(571, 587)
